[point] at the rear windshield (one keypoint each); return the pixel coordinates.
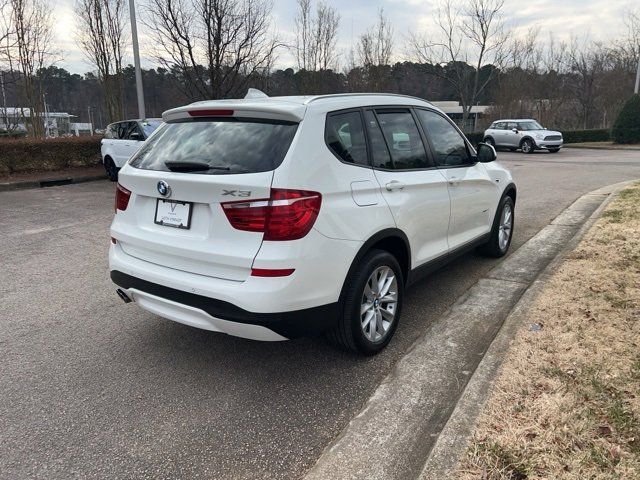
(224, 146)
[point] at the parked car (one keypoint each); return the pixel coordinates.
(276, 218)
(121, 140)
(525, 134)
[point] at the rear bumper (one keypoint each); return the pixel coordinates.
(220, 316)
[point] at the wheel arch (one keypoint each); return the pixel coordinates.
(528, 137)
(510, 191)
(392, 240)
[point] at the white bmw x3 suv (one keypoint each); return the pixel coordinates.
(275, 218)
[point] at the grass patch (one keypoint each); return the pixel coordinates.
(566, 404)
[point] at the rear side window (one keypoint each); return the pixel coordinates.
(403, 138)
(220, 146)
(344, 135)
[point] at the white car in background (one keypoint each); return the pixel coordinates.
(525, 134)
(121, 140)
(274, 218)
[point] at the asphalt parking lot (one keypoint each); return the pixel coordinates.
(93, 388)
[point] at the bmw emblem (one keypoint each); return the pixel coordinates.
(164, 189)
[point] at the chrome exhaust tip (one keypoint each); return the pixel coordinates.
(125, 298)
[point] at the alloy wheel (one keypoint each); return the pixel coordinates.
(379, 302)
(505, 227)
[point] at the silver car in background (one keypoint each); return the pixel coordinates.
(525, 134)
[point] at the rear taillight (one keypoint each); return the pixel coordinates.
(286, 215)
(122, 198)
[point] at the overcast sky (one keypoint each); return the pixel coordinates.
(601, 19)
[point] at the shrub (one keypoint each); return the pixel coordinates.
(627, 126)
(579, 136)
(30, 155)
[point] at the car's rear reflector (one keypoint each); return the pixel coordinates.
(211, 113)
(269, 272)
(285, 215)
(122, 198)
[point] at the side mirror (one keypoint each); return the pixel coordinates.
(514, 130)
(135, 136)
(486, 153)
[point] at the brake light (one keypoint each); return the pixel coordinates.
(122, 198)
(285, 215)
(211, 113)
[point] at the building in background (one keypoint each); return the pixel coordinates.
(453, 110)
(16, 120)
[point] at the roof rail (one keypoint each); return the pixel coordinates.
(337, 95)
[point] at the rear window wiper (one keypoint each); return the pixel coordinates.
(187, 166)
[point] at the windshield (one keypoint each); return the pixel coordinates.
(220, 146)
(530, 125)
(148, 126)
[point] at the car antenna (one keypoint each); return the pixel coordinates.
(255, 93)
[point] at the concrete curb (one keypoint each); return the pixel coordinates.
(420, 414)
(602, 147)
(51, 182)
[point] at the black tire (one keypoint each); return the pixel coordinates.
(111, 169)
(493, 247)
(554, 150)
(349, 333)
(527, 146)
(490, 141)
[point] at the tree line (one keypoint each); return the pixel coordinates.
(210, 49)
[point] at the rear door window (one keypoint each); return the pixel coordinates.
(403, 139)
(344, 135)
(217, 147)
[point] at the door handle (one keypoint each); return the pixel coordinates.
(453, 181)
(394, 185)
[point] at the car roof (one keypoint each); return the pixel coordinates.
(295, 107)
(515, 120)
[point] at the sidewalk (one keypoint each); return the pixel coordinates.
(51, 178)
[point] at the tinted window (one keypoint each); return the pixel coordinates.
(225, 145)
(501, 126)
(345, 136)
(123, 130)
(511, 125)
(379, 151)
(450, 147)
(403, 138)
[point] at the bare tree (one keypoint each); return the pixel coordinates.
(473, 33)
(374, 54)
(218, 46)
(376, 45)
(586, 62)
(32, 27)
(315, 48)
(102, 34)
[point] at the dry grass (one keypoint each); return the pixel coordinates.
(566, 403)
